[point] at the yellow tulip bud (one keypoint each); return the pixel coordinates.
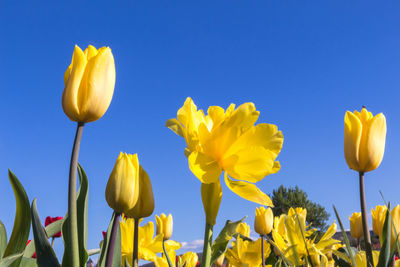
(356, 227)
(211, 194)
(396, 222)
(189, 259)
(243, 229)
(122, 189)
(220, 260)
(89, 84)
(378, 219)
(263, 221)
(145, 205)
(364, 140)
(164, 225)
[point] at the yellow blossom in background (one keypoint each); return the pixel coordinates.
(122, 189)
(361, 259)
(396, 222)
(263, 221)
(220, 261)
(364, 140)
(89, 84)
(144, 206)
(243, 229)
(356, 228)
(149, 245)
(378, 219)
(164, 225)
(189, 259)
(228, 140)
(247, 253)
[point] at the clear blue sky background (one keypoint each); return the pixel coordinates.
(303, 63)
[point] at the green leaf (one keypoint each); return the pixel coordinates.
(28, 262)
(45, 254)
(220, 244)
(22, 221)
(51, 230)
(10, 260)
(82, 207)
(94, 251)
(384, 255)
(341, 257)
(346, 239)
(3, 239)
(117, 248)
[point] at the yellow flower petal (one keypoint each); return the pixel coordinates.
(248, 191)
(175, 126)
(203, 167)
(352, 139)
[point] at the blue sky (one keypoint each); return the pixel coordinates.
(303, 63)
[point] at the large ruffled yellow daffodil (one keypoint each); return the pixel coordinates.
(149, 245)
(228, 140)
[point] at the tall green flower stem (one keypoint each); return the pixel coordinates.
(72, 210)
(111, 245)
(367, 238)
(135, 257)
(206, 258)
(262, 251)
(166, 255)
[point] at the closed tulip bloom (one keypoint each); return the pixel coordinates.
(263, 221)
(122, 189)
(189, 259)
(378, 219)
(356, 228)
(164, 225)
(211, 195)
(89, 84)
(243, 229)
(364, 140)
(396, 222)
(145, 204)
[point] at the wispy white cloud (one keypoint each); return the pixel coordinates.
(194, 245)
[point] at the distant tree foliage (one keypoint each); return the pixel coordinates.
(284, 198)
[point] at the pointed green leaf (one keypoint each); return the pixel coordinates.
(22, 221)
(51, 230)
(45, 254)
(28, 262)
(384, 255)
(117, 261)
(220, 244)
(82, 206)
(346, 239)
(94, 251)
(3, 239)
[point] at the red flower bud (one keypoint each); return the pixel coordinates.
(34, 254)
(50, 220)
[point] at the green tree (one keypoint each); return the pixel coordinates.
(284, 198)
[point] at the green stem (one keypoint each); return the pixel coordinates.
(135, 257)
(206, 258)
(166, 255)
(262, 251)
(52, 241)
(111, 245)
(367, 238)
(72, 210)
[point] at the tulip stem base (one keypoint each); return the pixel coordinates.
(72, 205)
(206, 258)
(262, 251)
(111, 245)
(367, 237)
(135, 257)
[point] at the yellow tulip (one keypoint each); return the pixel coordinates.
(378, 219)
(263, 221)
(164, 225)
(89, 84)
(364, 140)
(361, 259)
(356, 228)
(145, 205)
(189, 259)
(396, 222)
(243, 229)
(247, 253)
(211, 195)
(228, 140)
(122, 189)
(220, 261)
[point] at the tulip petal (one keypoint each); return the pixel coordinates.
(372, 145)
(243, 117)
(175, 126)
(72, 78)
(97, 87)
(248, 191)
(352, 139)
(90, 52)
(204, 167)
(251, 164)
